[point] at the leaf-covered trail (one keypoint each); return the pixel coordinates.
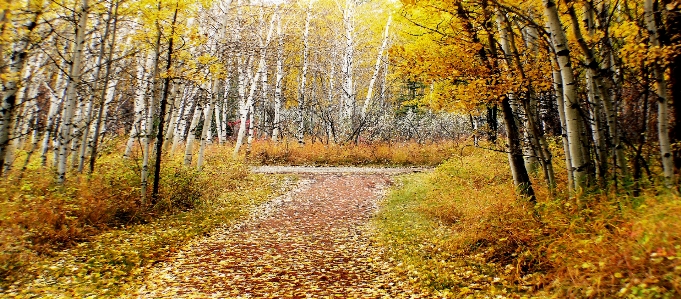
(312, 242)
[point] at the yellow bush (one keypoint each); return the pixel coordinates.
(392, 154)
(463, 225)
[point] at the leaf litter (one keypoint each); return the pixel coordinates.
(314, 242)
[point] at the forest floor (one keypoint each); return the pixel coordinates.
(315, 241)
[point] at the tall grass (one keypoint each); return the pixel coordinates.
(92, 236)
(407, 153)
(461, 230)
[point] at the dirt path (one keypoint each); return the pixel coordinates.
(314, 242)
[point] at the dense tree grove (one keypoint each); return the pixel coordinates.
(172, 73)
(175, 72)
(602, 66)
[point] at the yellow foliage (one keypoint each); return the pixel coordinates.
(463, 224)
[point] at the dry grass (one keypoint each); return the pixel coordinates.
(475, 237)
(40, 218)
(391, 154)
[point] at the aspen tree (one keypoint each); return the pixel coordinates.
(65, 134)
(303, 75)
(662, 105)
(16, 65)
(108, 88)
(367, 101)
(332, 78)
(578, 161)
(21, 122)
(247, 100)
(210, 107)
(138, 124)
(348, 94)
(276, 122)
(162, 113)
(191, 135)
(600, 91)
(171, 130)
(182, 122)
(95, 77)
(535, 135)
(207, 120)
(55, 103)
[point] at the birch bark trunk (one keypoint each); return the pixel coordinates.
(138, 123)
(246, 102)
(17, 63)
(191, 135)
(162, 113)
(598, 131)
(182, 122)
(377, 67)
(55, 103)
(276, 122)
(534, 134)
(662, 105)
(177, 96)
(348, 96)
(85, 140)
(71, 93)
(207, 122)
(303, 77)
(572, 107)
(601, 91)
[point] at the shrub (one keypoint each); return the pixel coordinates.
(463, 230)
(265, 152)
(39, 217)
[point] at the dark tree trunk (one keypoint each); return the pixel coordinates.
(669, 37)
(161, 116)
(492, 123)
(521, 178)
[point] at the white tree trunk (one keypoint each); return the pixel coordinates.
(138, 123)
(245, 103)
(109, 98)
(348, 96)
(377, 67)
(55, 102)
(602, 91)
(191, 135)
(27, 95)
(17, 63)
(330, 95)
(572, 114)
(207, 121)
(251, 121)
(182, 121)
(276, 122)
(597, 128)
(170, 133)
(303, 76)
(662, 105)
(71, 94)
(218, 123)
(90, 105)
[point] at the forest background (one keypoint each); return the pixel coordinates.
(118, 113)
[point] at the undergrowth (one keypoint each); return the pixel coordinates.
(461, 231)
(91, 236)
(289, 152)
